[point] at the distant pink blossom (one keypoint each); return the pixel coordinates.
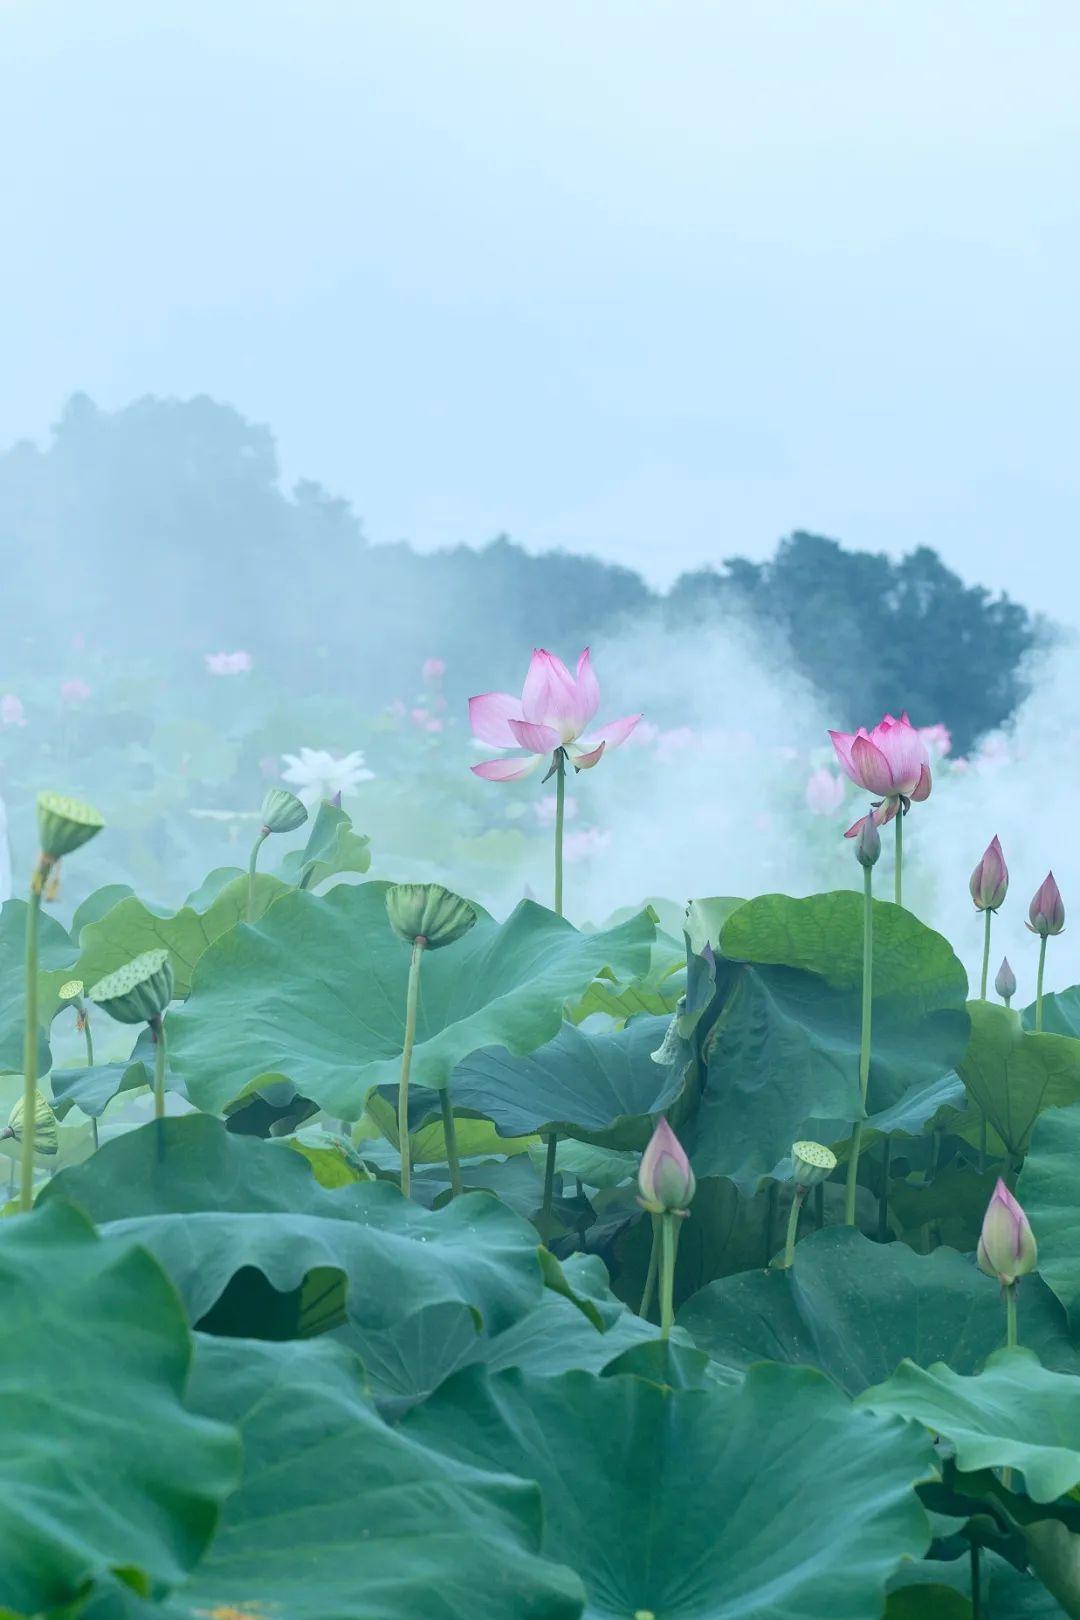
(824, 792)
(419, 717)
(938, 739)
(552, 712)
(891, 762)
(74, 691)
(12, 712)
(546, 807)
(433, 669)
(234, 663)
(580, 846)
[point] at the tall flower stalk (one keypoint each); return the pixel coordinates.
(73, 991)
(988, 886)
(412, 998)
(867, 850)
(1046, 916)
(559, 768)
(666, 1186)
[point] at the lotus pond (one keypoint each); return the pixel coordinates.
(372, 1257)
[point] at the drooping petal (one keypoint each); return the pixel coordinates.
(549, 695)
(585, 760)
(536, 738)
(512, 769)
(489, 717)
(588, 691)
(871, 767)
(921, 790)
(614, 733)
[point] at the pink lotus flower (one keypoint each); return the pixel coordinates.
(1007, 1248)
(433, 669)
(989, 882)
(890, 761)
(1046, 914)
(75, 691)
(552, 713)
(665, 1179)
(12, 712)
(234, 663)
(824, 792)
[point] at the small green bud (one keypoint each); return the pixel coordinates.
(64, 824)
(282, 811)
(811, 1163)
(138, 992)
(429, 912)
(46, 1136)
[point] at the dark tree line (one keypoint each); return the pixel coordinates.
(162, 530)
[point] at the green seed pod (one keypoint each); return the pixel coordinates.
(137, 992)
(64, 824)
(72, 990)
(429, 912)
(812, 1163)
(282, 811)
(46, 1138)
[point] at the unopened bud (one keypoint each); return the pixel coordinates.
(1007, 1248)
(1046, 914)
(989, 882)
(64, 824)
(867, 843)
(665, 1179)
(138, 992)
(811, 1163)
(46, 1136)
(282, 811)
(1005, 982)
(429, 912)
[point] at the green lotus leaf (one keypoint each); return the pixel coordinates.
(1049, 1190)
(1013, 1074)
(102, 1468)
(56, 957)
(332, 848)
(316, 991)
(700, 1504)
(856, 1309)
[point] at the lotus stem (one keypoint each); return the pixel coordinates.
(986, 954)
(89, 1039)
(264, 834)
(1010, 1316)
(560, 815)
(864, 1035)
(650, 1276)
(793, 1225)
(819, 1206)
(898, 875)
(450, 1134)
(669, 1241)
(976, 1582)
(883, 1196)
(549, 1186)
(30, 1033)
(1039, 984)
(412, 997)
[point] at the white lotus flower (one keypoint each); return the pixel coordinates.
(316, 774)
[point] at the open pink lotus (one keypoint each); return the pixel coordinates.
(891, 761)
(553, 712)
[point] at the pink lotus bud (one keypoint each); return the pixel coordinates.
(665, 1179)
(1005, 982)
(990, 880)
(824, 792)
(1046, 914)
(1007, 1248)
(867, 843)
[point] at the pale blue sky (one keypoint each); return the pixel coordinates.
(661, 279)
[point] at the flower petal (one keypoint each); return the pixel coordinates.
(489, 717)
(586, 760)
(549, 695)
(511, 769)
(588, 690)
(536, 738)
(921, 790)
(614, 733)
(871, 767)
(842, 741)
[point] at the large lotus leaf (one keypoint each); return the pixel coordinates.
(131, 927)
(653, 993)
(339, 1515)
(101, 1467)
(1013, 1074)
(102, 900)
(258, 1248)
(602, 1088)
(783, 1047)
(856, 1309)
(316, 991)
(1014, 1414)
(1061, 1012)
(701, 1504)
(332, 847)
(1007, 1593)
(56, 953)
(1049, 1189)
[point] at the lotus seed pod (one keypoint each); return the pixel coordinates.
(811, 1163)
(64, 824)
(71, 991)
(139, 991)
(1005, 982)
(46, 1136)
(665, 1179)
(868, 843)
(1007, 1248)
(282, 811)
(429, 912)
